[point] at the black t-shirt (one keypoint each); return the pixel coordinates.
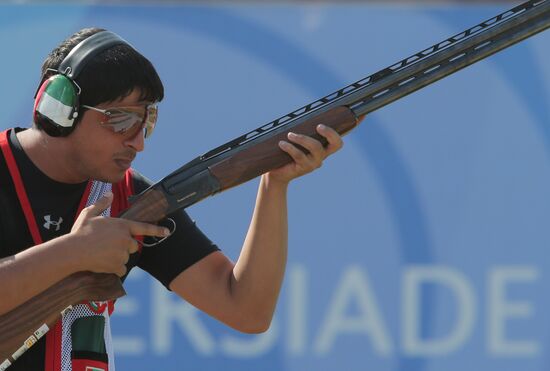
(55, 206)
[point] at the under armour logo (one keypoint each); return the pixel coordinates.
(50, 222)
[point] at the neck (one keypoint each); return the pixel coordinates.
(51, 155)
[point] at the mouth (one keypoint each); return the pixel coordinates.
(124, 163)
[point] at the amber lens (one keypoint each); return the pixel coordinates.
(129, 120)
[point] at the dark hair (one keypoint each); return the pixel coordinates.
(110, 75)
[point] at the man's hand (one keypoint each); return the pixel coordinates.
(305, 163)
(105, 244)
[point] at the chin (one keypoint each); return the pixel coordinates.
(111, 178)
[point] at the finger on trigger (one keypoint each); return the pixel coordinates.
(146, 229)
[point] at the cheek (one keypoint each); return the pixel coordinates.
(96, 162)
(92, 139)
(93, 151)
(88, 159)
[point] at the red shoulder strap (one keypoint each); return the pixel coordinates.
(121, 192)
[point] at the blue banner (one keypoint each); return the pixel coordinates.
(422, 245)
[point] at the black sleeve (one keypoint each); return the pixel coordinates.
(182, 249)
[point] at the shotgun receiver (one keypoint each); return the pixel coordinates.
(257, 152)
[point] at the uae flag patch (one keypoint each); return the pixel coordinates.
(56, 99)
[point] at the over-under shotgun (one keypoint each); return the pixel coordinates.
(257, 152)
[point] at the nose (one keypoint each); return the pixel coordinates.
(136, 142)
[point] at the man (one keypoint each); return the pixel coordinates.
(64, 176)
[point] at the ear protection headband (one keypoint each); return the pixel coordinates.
(56, 104)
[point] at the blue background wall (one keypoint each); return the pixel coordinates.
(422, 245)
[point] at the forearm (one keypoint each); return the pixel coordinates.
(30, 272)
(258, 273)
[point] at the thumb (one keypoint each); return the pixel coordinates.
(101, 205)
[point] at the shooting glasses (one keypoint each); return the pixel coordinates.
(129, 120)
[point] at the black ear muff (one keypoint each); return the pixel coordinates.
(56, 105)
(57, 100)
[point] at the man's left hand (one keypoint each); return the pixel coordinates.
(306, 162)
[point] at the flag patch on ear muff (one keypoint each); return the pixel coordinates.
(56, 100)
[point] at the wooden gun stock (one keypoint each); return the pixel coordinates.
(24, 325)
